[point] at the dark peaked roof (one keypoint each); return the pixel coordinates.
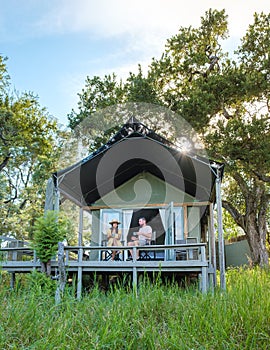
(132, 150)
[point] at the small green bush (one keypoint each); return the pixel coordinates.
(48, 231)
(40, 284)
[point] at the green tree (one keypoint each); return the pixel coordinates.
(29, 148)
(227, 101)
(49, 229)
(225, 97)
(96, 95)
(103, 98)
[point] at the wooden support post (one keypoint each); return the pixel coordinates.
(204, 280)
(134, 270)
(79, 283)
(185, 221)
(220, 233)
(80, 256)
(134, 279)
(12, 280)
(80, 232)
(204, 272)
(212, 239)
(134, 253)
(79, 275)
(62, 273)
(14, 255)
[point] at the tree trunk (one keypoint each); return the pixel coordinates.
(254, 222)
(256, 237)
(43, 267)
(46, 267)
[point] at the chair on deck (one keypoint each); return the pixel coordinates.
(193, 253)
(186, 253)
(149, 254)
(106, 253)
(181, 253)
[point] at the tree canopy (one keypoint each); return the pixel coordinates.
(224, 96)
(227, 101)
(29, 148)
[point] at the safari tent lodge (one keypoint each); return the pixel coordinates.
(138, 173)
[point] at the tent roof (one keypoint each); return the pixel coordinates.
(132, 150)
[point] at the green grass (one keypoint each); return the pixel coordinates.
(159, 317)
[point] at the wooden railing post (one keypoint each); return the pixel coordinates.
(134, 253)
(204, 271)
(62, 273)
(221, 250)
(185, 221)
(213, 257)
(134, 270)
(79, 275)
(12, 280)
(35, 256)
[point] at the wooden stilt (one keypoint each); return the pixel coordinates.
(220, 233)
(12, 280)
(62, 273)
(80, 256)
(204, 280)
(212, 239)
(79, 276)
(185, 222)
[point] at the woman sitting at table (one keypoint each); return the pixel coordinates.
(114, 235)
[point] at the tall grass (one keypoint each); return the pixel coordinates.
(159, 317)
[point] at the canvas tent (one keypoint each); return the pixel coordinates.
(133, 150)
(192, 180)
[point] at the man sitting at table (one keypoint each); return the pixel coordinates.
(141, 237)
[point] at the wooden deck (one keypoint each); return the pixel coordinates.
(81, 260)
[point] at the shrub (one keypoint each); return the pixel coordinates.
(48, 231)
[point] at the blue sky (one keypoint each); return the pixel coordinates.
(53, 45)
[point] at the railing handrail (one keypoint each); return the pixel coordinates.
(12, 249)
(80, 250)
(148, 247)
(144, 247)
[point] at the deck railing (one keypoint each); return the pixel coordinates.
(94, 253)
(184, 258)
(194, 251)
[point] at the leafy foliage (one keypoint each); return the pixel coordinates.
(228, 103)
(40, 284)
(97, 94)
(30, 144)
(226, 100)
(48, 231)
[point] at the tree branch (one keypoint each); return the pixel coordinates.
(5, 161)
(241, 182)
(239, 218)
(22, 205)
(226, 113)
(262, 177)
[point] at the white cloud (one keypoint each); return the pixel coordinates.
(146, 23)
(116, 17)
